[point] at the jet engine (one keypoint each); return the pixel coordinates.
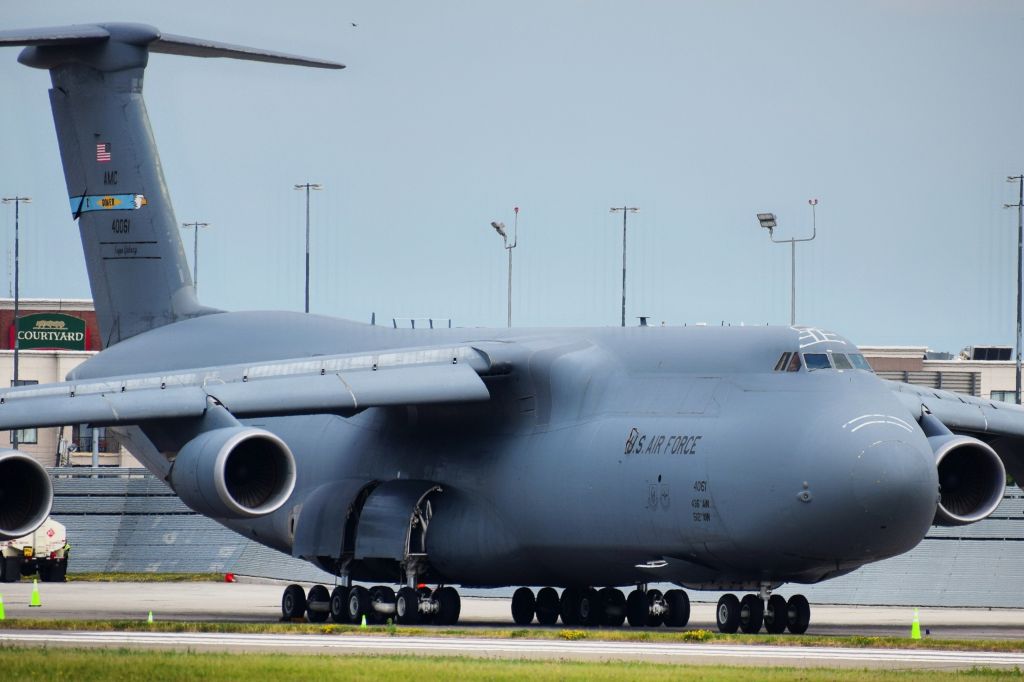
(26, 494)
(234, 472)
(971, 479)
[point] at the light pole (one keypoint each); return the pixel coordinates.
(499, 227)
(768, 222)
(195, 252)
(626, 210)
(1019, 179)
(18, 201)
(307, 186)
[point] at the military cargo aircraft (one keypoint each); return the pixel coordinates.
(737, 458)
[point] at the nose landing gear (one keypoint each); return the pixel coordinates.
(774, 613)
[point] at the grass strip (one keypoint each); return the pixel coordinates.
(145, 577)
(702, 636)
(88, 665)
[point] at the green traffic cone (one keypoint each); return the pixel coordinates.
(915, 627)
(34, 600)
(2, 616)
(150, 618)
(363, 624)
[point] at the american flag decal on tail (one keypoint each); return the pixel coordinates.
(103, 152)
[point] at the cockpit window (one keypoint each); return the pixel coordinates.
(859, 362)
(841, 361)
(816, 361)
(794, 363)
(783, 361)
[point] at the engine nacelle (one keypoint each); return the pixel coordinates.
(234, 472)
(971, 479)
(26, 494)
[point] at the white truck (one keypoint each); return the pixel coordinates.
(44, 551)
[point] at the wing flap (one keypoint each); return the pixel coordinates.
(102, 409)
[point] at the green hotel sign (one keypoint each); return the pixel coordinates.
(51, 330)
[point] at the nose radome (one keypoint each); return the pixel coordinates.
(896, 486)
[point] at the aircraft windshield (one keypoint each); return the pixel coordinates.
(816, 361)
(841, 361)
(859, 362)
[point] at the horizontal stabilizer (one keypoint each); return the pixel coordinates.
(149, 37)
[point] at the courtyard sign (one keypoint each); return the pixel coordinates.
(51, 330)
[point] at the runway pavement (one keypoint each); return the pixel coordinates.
(259, 601)
(721, 654)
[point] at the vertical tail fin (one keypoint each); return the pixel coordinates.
(136, 262)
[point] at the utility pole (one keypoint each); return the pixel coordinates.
(195, 252)
(1019, 179)
(768, 222)
(626, 210)
(499, 227)
(307, 186)
(18, 200)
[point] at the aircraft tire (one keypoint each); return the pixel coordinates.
(358, 604)
(798, 614)
(569, 606)
(428, 594)
(653, 597)
(613, 604)
(380, 594)
(547, 606)
(727, 614)
(449, 606)
(751, 614)
(637, 609)
(339, 605)
(775, 615)
(524, 604)
(678, 609)
(589, 609)
(293, 602)
(318, 595)
(407, 606)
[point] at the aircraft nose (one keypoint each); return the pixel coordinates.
(895, 485)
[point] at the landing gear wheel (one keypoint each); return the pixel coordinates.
(798, 614)
(407, 606)
(569, 606)
(613, 604)
(751, 614)
(318, 604)
(589, 611)
(547, 606)
(449, 606)
(339, 605)
(775, 615)
(637, 609)
(727, 614)
(380, 595)
(358, 604)
(293, 602)
(523, 606)
(653, 597)
(427, 594)
(678, 609)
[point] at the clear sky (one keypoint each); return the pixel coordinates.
(903, 117)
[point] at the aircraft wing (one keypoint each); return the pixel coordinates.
(338, 384)
(999, 424)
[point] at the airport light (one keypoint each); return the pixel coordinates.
(769, 223)
(195, 252)
(499, 227)
(626, 210)
(17, 201)
(307, 186)
(1019, 179)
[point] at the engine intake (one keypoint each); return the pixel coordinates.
(26, 494)
(971, 480)
(234, 472)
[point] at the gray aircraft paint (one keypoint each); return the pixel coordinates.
(548, 456)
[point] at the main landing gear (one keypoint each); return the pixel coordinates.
(608, 606)
(409, 606)
(754, 610)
